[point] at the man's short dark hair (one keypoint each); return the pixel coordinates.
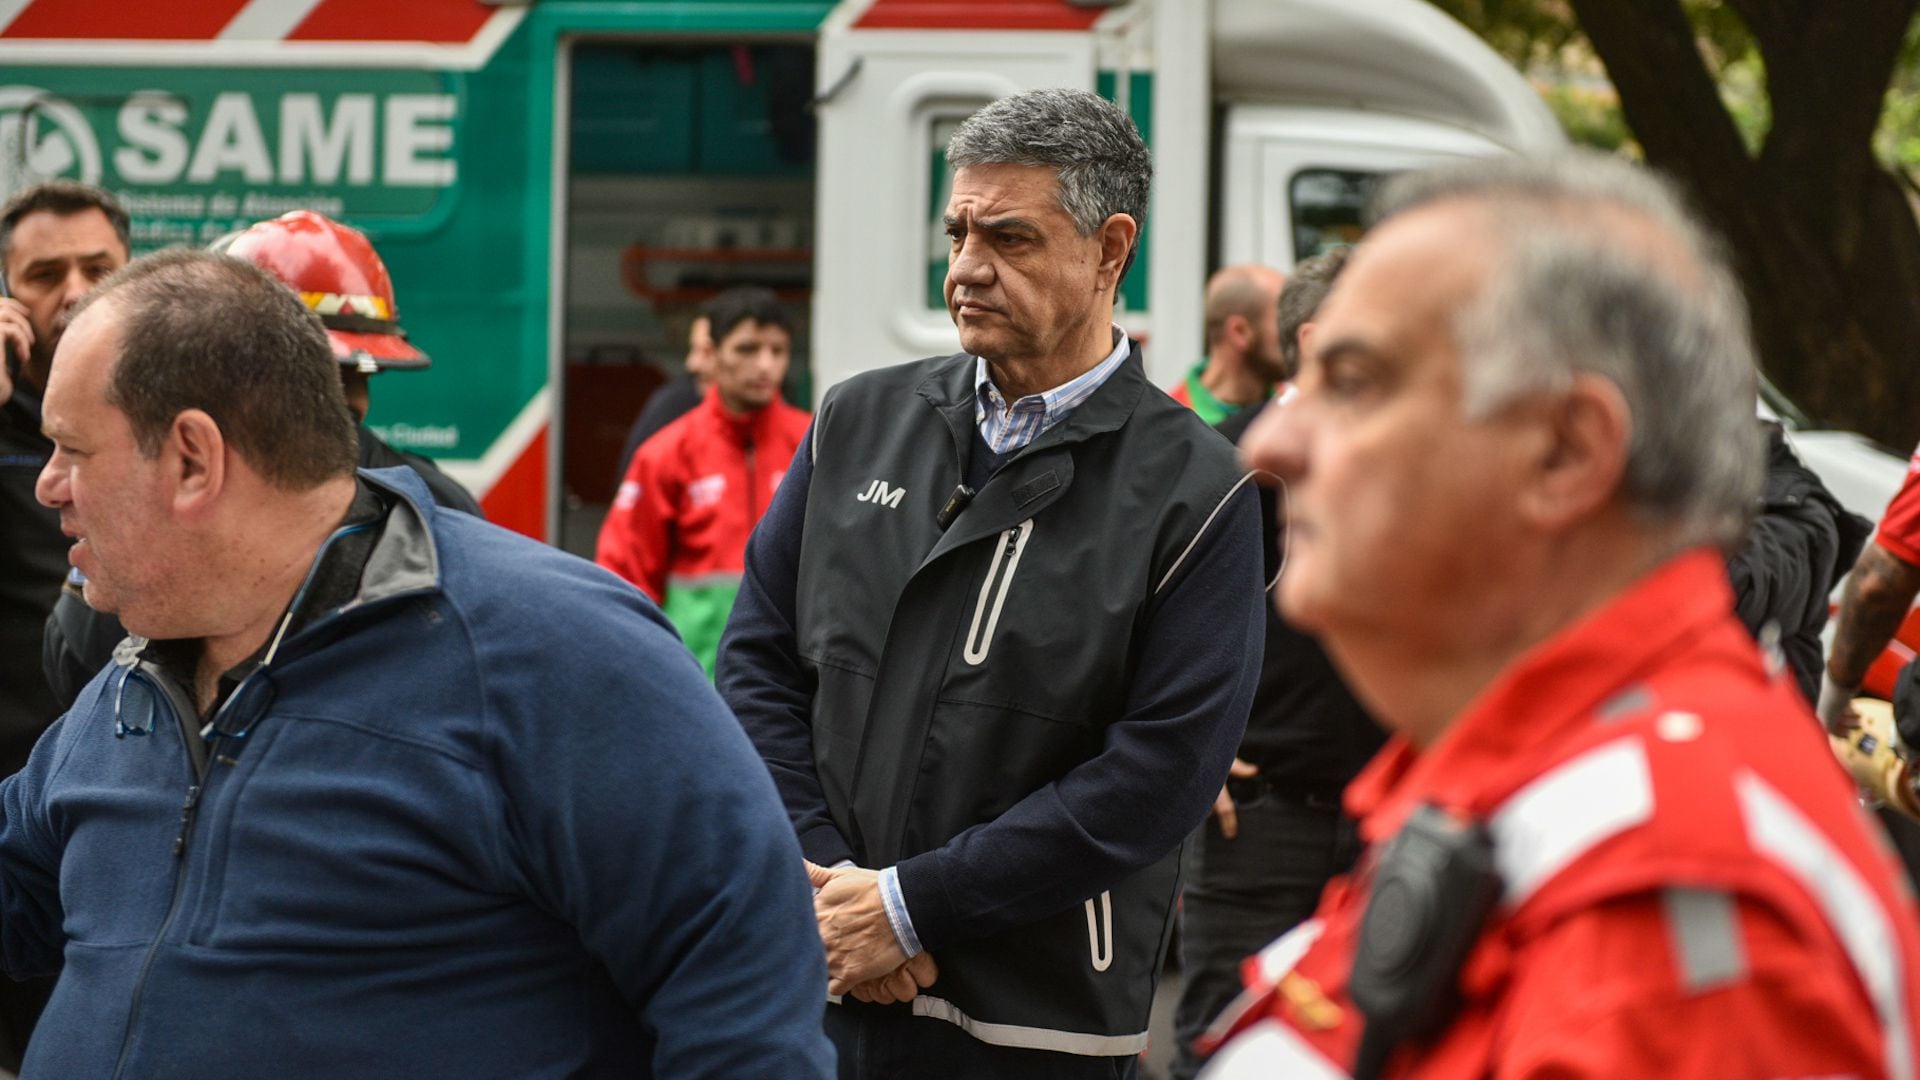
(747, 303)
(62, 198)
(1306, 289)
(219, 334)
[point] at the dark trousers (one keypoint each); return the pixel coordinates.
(1904, 833)
(1243, 893)
(885, 1042)
(20, 1005)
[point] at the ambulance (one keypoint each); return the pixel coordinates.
(557, 184)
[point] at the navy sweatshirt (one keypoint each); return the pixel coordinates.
(489, 820)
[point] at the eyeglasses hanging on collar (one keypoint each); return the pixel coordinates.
(135, 701)
(134, 704)
(235, 717)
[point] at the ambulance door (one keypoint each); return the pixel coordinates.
(888, 100)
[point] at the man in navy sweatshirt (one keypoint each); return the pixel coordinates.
(378, 789)
(999, 632)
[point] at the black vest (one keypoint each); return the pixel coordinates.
(961, 669)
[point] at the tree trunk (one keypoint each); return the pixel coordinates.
(1823, 239)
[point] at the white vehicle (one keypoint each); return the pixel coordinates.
(1861, 473)
(1270, 122)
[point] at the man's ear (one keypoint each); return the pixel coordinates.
(197, 458)
(1238, 330)
(1302, 344)
(1118, 234)
(1581, 458)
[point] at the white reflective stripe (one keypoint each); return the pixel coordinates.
(1277, 959)
(268, 20)
(1269, 1050)
(1280, 507)
(703, 581)
(1191, 544)
(1102, 957)
(1704, 926)
(1030, 1038)
(1568, 812)
(1777, 829)
(984, 641)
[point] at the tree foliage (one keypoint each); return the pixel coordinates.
(1795, 127)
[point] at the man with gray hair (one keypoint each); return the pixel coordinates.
(1606, 838)
(998, 634)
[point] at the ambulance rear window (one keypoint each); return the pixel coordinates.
(1328, 208)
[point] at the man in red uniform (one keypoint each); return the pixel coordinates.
(1878, 594)
(1606, 839)
(695, 490)
(1876, 599)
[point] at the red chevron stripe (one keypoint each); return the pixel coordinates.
(447, 21)
(518, 499)
(176, 20)
(978, 15)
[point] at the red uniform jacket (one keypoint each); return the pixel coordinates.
(1899, 530)
(679, 524)
(1691, 887)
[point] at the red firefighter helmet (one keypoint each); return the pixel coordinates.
(336, 272)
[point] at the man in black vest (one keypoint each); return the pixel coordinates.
(999, 632)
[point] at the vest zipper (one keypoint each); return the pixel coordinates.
(999, 580)
(188, 812)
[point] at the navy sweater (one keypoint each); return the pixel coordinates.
(489, 820)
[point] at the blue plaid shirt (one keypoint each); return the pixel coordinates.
(1008, 429)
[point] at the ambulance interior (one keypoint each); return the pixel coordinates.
(689, 170)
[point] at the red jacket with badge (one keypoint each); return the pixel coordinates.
(1690, 886)
(1899, 530)
(679, 524)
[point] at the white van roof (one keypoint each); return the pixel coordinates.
(1395, 56)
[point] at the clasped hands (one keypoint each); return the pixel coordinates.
(864, 957)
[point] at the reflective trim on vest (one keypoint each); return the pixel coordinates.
(1100, 947)
(1269, 1050)
(1568, 812)
(1030, 1038)
(1204, 526)
(1277, 959)
(1778, 830)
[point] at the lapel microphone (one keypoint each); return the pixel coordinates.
(956, 502)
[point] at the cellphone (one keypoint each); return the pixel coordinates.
(15, 361)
